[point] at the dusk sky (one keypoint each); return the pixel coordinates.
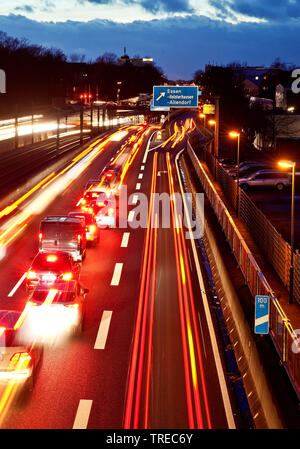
(181, 35)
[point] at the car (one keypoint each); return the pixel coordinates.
(89, 197)
(247, 170)
(105, 212)
(266, 178)
(56, 312)
(233, 167)
(227, 162)
(19, 358)
(111, 177)
(92, 231)
(63, 233)
(48, 267)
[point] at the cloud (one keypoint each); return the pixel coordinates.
(153, 6)
(262, 9)
(24, 8)
(180, 45)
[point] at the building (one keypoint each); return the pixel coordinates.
(137, 62)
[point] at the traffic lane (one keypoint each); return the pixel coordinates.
(167, 402)
(77, 371)
(20, 254)
(213, 377)
(111, 384)
(277, 208)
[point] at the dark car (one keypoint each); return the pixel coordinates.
(92, 232)
(49, 267)
(63, 233)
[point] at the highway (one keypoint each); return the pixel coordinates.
(148, 356)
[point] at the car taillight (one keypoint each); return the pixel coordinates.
(30, 304)
(110, 212)
(51, 258)
(83, 201)
(67, 276)
(31, 275)
(92, 228)
(72, 306)
(101, 204)
(20, 357)
(40, 236)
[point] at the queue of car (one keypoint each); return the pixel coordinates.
(56, 299)
(254, 174)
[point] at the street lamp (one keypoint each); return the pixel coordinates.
(204, 119)
(213, 123)
(119, 83)
(236, 135)
(292, 165)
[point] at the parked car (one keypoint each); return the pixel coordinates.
(248, 170)
(241, 165)
(266, 178)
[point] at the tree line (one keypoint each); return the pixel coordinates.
(36, 75)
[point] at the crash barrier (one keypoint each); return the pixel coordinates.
(276, 250)
(284, 337)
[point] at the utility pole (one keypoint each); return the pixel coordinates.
(81, 124)
(57, 135)
(16, 129)
(217, 132)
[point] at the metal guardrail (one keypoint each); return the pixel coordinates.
(274, 247)
(284, 337)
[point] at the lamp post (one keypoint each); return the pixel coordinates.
(119, 83)
(292, 165)
(204, 119)
(213, 123)
(236, 135)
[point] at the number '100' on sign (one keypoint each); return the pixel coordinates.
(261, 322)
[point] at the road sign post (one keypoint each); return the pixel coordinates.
(262, 310)
(175, 96)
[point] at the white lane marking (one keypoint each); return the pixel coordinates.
(117, 274)
(138, 186)
(140, 176)
(142, 167)
(83, 413)
(103, 330)
(222, 381)
(125, 239)
(131, 216)
(13, 291)
(134, 199)
(148, 148)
